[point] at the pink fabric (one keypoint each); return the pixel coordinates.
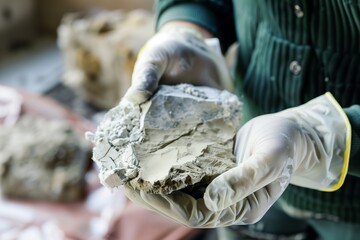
(136, 223)
(44, 220)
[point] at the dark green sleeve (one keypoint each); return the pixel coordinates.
(353, 114)
(214, 15)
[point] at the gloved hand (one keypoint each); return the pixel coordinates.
(178, 55)
(306, 146)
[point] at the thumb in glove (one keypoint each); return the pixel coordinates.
(178, 55)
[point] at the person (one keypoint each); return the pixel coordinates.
(298, 163)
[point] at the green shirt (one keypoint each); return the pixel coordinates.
(289, 53)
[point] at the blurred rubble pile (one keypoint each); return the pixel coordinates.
(100, 50)
(44, 169)
(42, 159)
(43, 153)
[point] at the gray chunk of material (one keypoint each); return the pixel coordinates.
(43, 160)
(183, 136)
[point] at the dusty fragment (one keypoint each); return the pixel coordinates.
(42, 159)
(100, 51)
(181, 137)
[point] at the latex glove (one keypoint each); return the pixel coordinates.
(307, 146)
(178, 55)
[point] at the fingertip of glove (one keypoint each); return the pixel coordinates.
(136, 96)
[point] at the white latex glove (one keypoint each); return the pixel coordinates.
(306, 146)
(178, 55)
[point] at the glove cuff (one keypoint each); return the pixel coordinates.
(327, 125)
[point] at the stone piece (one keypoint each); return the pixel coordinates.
(183, 136)
(100, 50)
(43, 160)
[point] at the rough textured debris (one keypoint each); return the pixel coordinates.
(100, 50)
(43, 160)
(183, 136)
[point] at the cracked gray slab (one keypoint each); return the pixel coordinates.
(183, 136)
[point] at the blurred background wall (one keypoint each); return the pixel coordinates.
(21, 18)
(49, 13)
